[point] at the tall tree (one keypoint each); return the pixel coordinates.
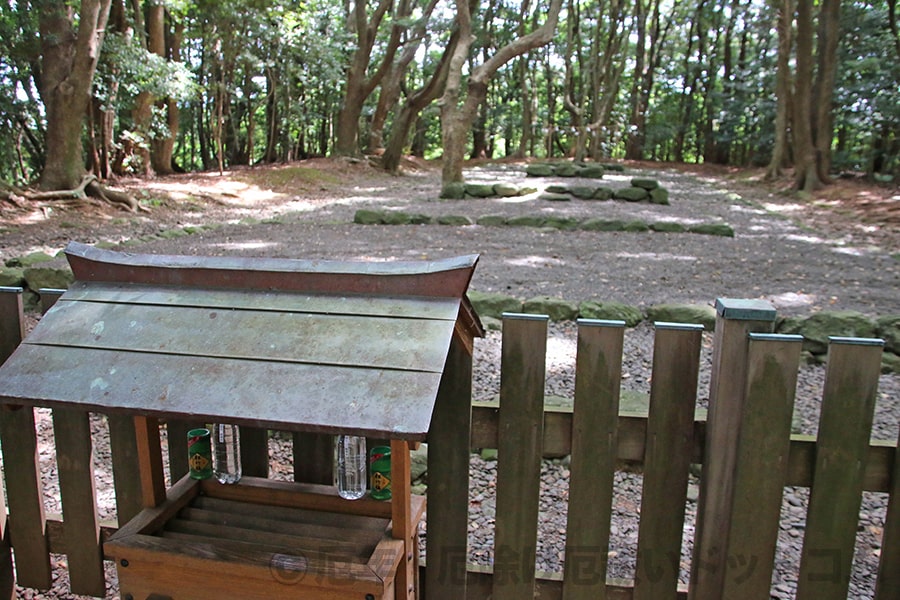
(806, 174)
(458, 113)
(68, 62)
(783, 89)
(823, 117)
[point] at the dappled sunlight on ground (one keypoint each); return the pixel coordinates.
(654, 256)
(534, 261)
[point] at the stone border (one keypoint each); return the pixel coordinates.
(366, 216)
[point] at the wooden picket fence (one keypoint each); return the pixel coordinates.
(745, 446)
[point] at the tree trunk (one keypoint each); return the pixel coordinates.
(69, 61)
(783, 93)
(456, 118)
(806, 176)
(162, 149)
(358, 86)
(823, 122)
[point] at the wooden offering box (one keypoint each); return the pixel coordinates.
(262, 539)
(310, 347)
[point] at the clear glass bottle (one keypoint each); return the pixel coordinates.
(227, 452)
(350, 466)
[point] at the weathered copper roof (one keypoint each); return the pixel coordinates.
(321, 346)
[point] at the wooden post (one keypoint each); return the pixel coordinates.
(153, 481)
(519, 450)
(735, 320)
(402, 524)
(11, 334)
(848, 406)
(448, 478)
(598, 377)
(764, 443)
(667, 459)
(74, 455)
(125, 466)
(254, 451)
(314, 458)
(888, 584)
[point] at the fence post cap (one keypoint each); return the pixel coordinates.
(745, 310)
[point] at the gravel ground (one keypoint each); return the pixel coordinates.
(799, 265)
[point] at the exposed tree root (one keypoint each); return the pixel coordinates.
(89, 186)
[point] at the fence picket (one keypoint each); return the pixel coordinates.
(519, 450)
(448, 478)
(848, 405)
(74, 456)
(764, 442)
(126, 475)
(598, 376)
(667, 459)
(11, 333)
(888, 584)
(255, 451)
(313, 458)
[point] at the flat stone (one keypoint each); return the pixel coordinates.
(548, 197)
(491, 220)
(396, 217)
(526, 221)
(454, 191)
(38, 278)
(668, 227)
(888, 329)
(539, 170)
(632, 194)
(645, 183)
(659, 196)
(566, 170)
(454, 220)
(566, 223)
(29, 260)
(818, 327)
(598, 224)
(555, 308)
(480, 190)
(701, 314)
(592, 171)
(507, 190)
(558, 188)
(603, 193)
(636, 226)
(12, 277)
(584, 192)
(365, 216)
(492, 304)
(720, 229)
(611, 311)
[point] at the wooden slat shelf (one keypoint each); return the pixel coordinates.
(229, 546)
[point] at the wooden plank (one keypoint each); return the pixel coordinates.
(598, 377)
(726, 401)
(176, 437)
(271, 301)
(313, 458)
(667, 460)
(887, 586)
(845, 424)
(761, 469)
(447, 277)
(403, 343)
(329, 524)
(403, 522)
(632, 434)
(126, 474)
(12, 325)
(153, 482)
(152, 519)
(254, 451)
(291, 494)
(25, 497)
(74, 456)
(394, 404)
(522, 376)
(448, 480)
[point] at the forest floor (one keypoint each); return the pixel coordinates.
(839, 248)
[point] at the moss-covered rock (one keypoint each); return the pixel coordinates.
(720, 229)
(558, 188)
(539, 170)
(636, 227)
(12, 277)
(454, 191)
(566, 223)
(632, 194)
(684, 313)
(566, 169)
(585, 192)
(659, 196)
(507, 190)
(420, 219)
(592, 171)
(364, 216)
(29, 260)
(548, 197)
(396, 217)
(668, 227)
(818, 327)
(493, 305)
(555, 308)
(37, 278)
(611, 311)
(491, 220)
(526, 221)
(454, 220)
(603, 193)
(645, 183)
(480, 190)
